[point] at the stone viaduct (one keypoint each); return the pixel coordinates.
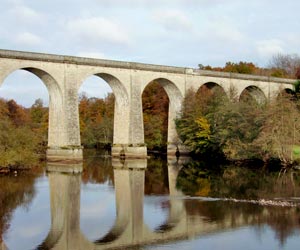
(63, 76)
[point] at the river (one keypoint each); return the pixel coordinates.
(149, 204)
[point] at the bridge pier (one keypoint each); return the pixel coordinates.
(65, 230)
(64, 131)
(129, 121)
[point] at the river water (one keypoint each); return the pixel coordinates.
(154, 204)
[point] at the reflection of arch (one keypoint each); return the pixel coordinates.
(253, 93)
(113, 234)
(65, 206)
(55, 103)
(176, 206)
(129, 189)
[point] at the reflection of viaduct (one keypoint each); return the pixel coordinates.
(129, 228)
(63, 76)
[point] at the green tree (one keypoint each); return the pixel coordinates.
(220, 124)
(18, 146)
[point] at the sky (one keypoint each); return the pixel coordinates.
(166, 32)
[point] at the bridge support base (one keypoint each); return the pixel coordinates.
(177, 150)
(64, 153)
(128, 151)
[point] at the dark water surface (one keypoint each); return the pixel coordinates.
(157, 204)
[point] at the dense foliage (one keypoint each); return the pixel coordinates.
(23, 134)
(213, 123)
(96, 120)
(155, 114)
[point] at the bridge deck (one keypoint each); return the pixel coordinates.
(133, 65)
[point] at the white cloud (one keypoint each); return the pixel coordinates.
(96, 30)
(159, 3)
(268, 48)
(172, 20)
(28, 39)
(222, 29)
(26, 14)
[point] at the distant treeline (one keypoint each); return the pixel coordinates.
(280, 65)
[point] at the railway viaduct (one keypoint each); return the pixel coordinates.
(63, 76)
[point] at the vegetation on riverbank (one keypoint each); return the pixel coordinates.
(213, 123)
(23, 134)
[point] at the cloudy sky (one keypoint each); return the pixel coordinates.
(169, 32)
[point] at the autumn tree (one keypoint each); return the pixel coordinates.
(22, 142)
(241, 67)
(155, 114)
(96, 120)
(17, 114)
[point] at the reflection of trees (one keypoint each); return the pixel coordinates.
(156, 177)
(15, 191)
(285, 221)
(236, 182)
(242, 183)
(96, 168)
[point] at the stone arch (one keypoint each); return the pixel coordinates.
(121, 107)
(286, 91)
(119, 91)
(211, 88)
(56, 137)
(253, 93)
(175, 101)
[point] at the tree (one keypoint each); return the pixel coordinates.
(17, 114)
(216, 123)
(285, 65)
(281, 131)
(96, 120)
(241, 67)
(155, 113)
(18, 146)
(3, 109)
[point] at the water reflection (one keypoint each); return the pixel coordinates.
(15, 190)
(196, 217)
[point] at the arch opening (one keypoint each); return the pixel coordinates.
(253, 94)
(209, 90)
(287, 93)
(161, 105)
(32, 111)
(155, 103)
(102, 99)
